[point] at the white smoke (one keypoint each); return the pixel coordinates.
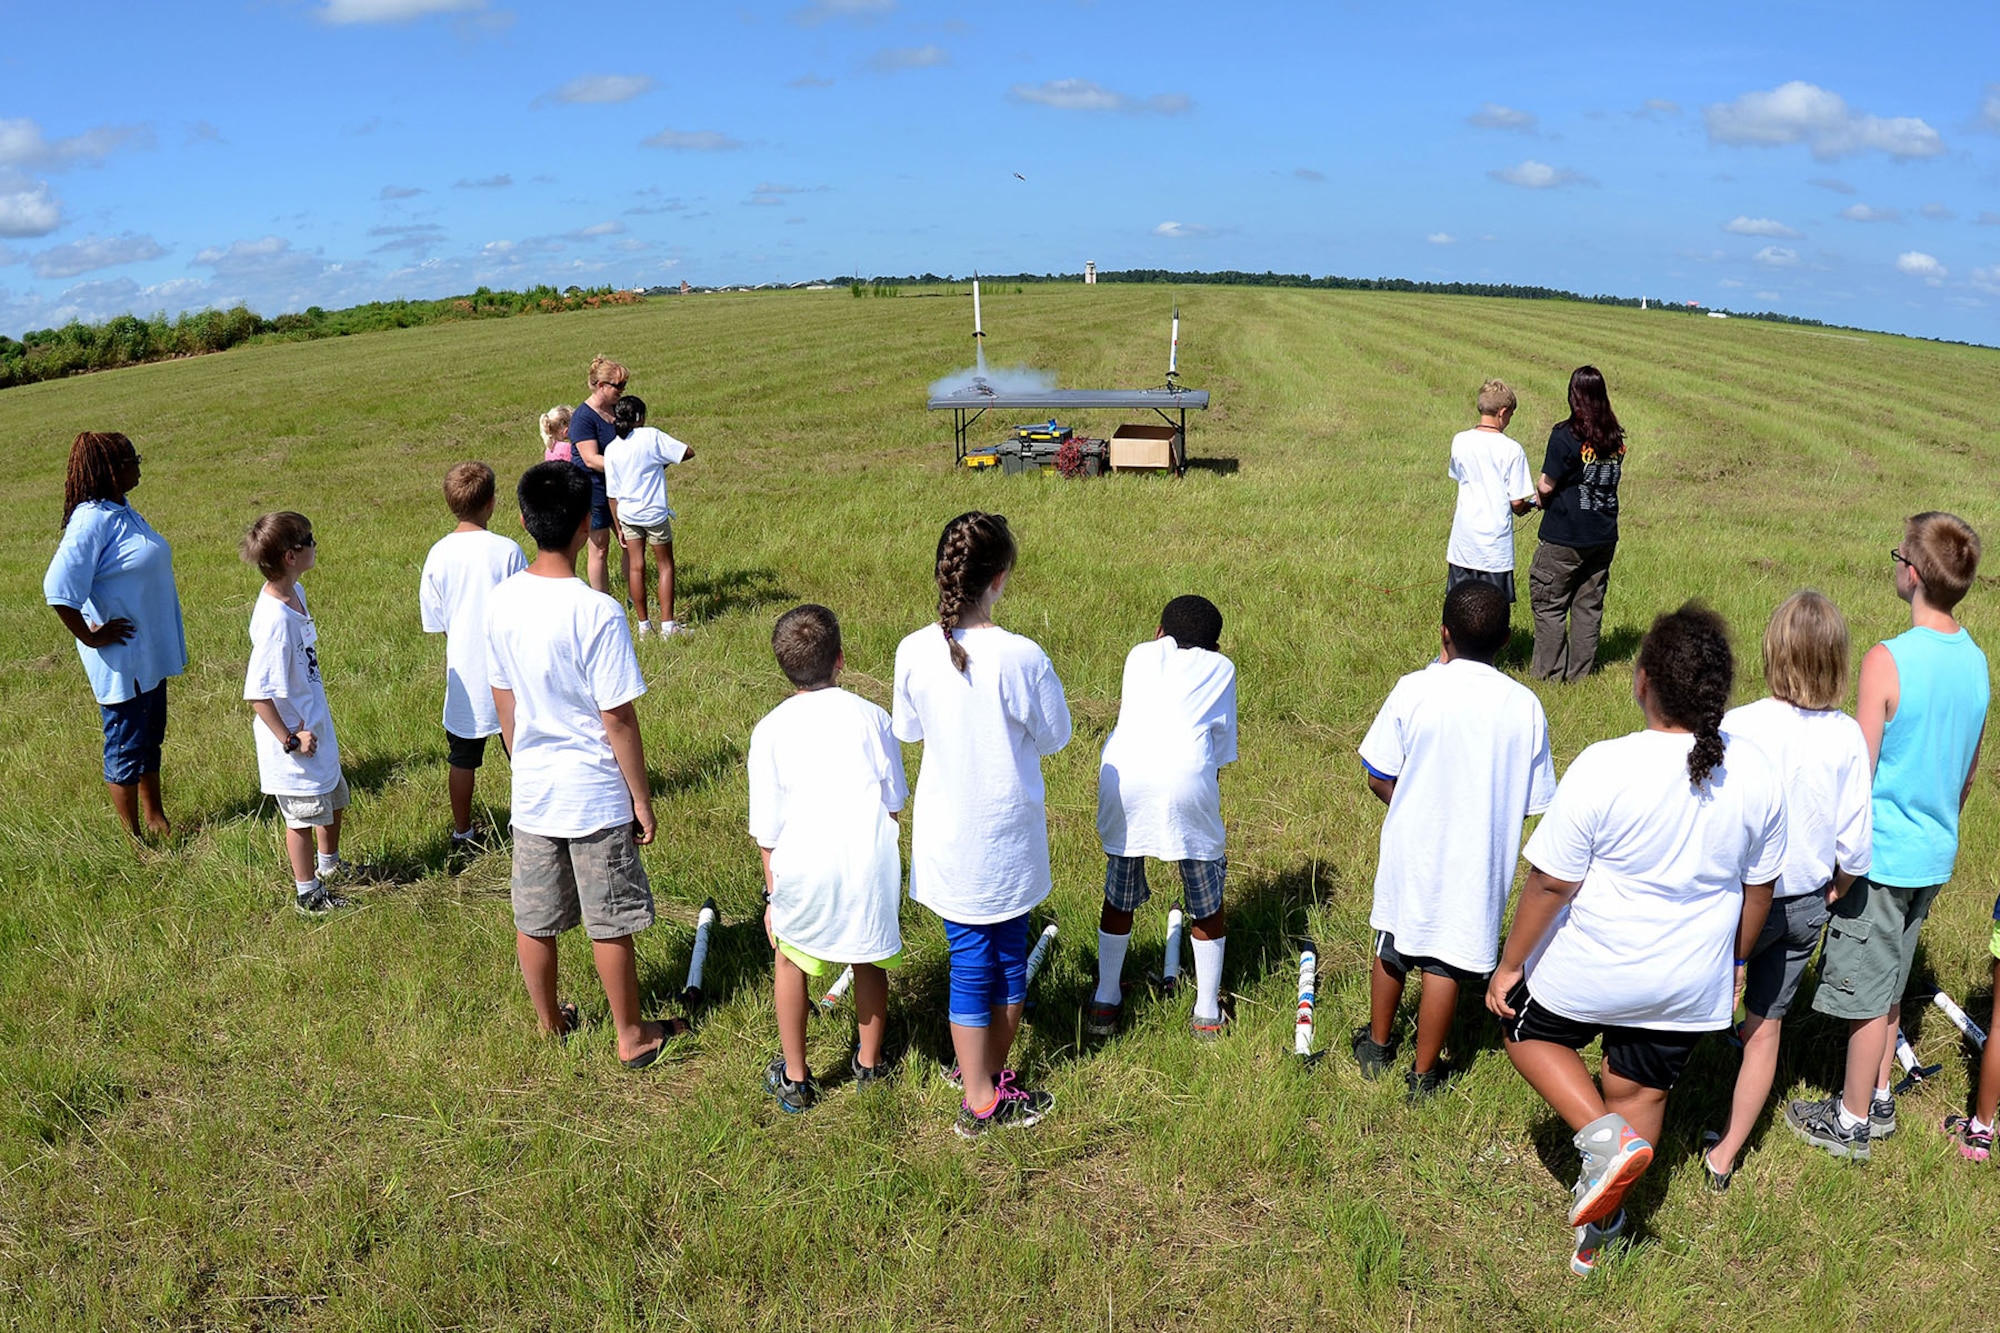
(1009, 379)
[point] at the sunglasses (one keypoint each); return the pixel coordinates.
(612, 384)
(309, 543)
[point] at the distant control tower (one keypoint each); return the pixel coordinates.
(1090, 272)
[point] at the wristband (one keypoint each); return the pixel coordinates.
(1743, 962)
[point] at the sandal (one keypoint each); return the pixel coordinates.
(1717, 1180)
(669, 1029)
(567, 1015)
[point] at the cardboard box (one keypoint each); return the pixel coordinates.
(1145, 447)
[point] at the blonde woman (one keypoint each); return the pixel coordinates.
(1823, 760)
(591, 432)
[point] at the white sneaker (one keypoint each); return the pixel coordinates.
(669, 628)
(645, 629)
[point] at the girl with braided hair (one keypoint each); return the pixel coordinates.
(1651, 871)
(112, 586)
(987, 706)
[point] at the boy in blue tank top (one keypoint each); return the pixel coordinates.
(1922, 710)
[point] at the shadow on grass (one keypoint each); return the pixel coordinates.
(694, 771)
(702, 596)
(739, 958)
(1227, 467)
(1619, 644)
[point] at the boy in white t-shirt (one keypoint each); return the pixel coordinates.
(826, 783)
(298, 759)
(564, 676)
(1494, 485)
(1457, 747)
(1651, 870)
(462, 568)
(635, 478)
(1158, 795)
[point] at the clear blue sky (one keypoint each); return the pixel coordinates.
(1834, 160)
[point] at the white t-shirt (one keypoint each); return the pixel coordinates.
(284, 668)
(458, 574)
(1649, 939)
(1492, 472)
(566, 653)
(979, 838)
(825, 775)
(1469, 749)
(1823, 759)
(635, 474)
(1157, 793)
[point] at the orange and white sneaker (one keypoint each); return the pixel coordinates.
(1592, 1241)
(1614, 1157)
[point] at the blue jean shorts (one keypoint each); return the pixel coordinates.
(133, 731)
(989, 968)
(1125, 886)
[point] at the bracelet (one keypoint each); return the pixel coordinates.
(1742, 962)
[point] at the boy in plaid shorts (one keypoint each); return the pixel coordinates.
(1158, 796)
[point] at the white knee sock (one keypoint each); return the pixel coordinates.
(1208, 978)
(1110, 966)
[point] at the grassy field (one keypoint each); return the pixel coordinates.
(216, 1114)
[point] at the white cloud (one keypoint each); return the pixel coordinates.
(1800, 112)
(692, 141)
(1748, 226)
(1777, 256)
(769, 194)
(1987, 280)
(22, 144)
(1441, 238)
(1768, 296)
(822, 11)
(400, 192)
(810, 81)
(597, 229)
(1864, 213)
(1989, 108)
(1533, 175)
(1308, 174)
(891, 59)
(599, 90)
(499, 182)
(1987, 218)
(1936, 212)
(1083, 95)
(1493, 116)
(1657, 106)
(1183, 231)
(1833, 183)
(1920, 265)
(95, 252)
(392, 11)
(28, 210)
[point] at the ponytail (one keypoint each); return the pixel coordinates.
(1690, 668)
(974, 549)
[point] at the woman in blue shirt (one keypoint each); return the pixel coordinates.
(112, 586)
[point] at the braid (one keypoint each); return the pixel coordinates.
(974, 549)
(93, 470)
(1686, 658)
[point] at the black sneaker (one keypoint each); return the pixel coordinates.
(870, 1076)
(1429, 1084)
(1818, 1123)
(1881, 1118)
(1013, 1108)
(1374, 1059)
(792, 1097)
(321, 901)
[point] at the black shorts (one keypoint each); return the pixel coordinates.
(1503, 579)
(1400, 965)
(464, 751)
(1651, 1057)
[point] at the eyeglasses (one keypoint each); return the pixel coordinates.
(1896, 554)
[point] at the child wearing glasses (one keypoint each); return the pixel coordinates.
(1460, 755)
(298, 759)
(1922, 710)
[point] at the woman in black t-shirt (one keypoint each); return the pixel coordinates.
(590, 434)
(1578, 492)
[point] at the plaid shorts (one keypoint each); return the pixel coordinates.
(1125, 886)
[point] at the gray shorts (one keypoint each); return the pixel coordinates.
(1503, 579)
(1777, 962)
(314, 811)
(1871, 940)
(595, 881)
(653, 534)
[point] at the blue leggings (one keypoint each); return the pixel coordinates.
(989, 968)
